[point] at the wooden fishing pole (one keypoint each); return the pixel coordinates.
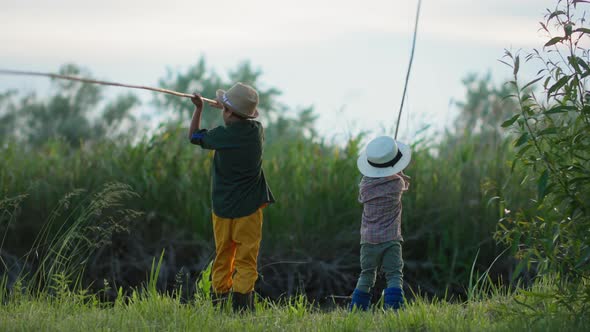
(211, 102)
(409, 68)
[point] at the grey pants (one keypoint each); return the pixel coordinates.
(388, 257)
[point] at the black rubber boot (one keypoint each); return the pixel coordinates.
(219, 300)
(242, 302)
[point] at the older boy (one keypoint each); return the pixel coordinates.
(239, 191)
(380, 192)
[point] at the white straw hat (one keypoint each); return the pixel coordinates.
(384, 157)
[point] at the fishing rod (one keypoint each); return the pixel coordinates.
(409, 68)
(211, 102)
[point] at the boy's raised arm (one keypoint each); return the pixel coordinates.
(196, 120)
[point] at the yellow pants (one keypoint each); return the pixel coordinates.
(236, 250)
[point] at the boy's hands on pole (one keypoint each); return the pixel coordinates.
(197, 101)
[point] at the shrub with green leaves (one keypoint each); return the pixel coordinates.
(552, 235)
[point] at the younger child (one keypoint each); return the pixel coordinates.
(239, 192)
(380, 192)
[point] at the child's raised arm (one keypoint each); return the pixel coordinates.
(196, 120)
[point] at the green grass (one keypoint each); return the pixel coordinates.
(68, 311)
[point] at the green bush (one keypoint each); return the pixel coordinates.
(552, 235)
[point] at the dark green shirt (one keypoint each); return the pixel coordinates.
(238, 184)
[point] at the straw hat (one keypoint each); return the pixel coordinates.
(384, 157)
(240, 99)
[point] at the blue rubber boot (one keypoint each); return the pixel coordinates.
(393, 298)
(361, 300)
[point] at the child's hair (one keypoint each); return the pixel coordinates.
(234, 114)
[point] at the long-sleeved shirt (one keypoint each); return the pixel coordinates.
(239, 187)
(382, 208)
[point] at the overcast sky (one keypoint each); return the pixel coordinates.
(346, 58)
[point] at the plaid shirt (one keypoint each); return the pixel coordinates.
(382, 208)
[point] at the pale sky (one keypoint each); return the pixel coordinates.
(347, 58)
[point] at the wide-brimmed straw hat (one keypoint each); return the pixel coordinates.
(384, 157)
(240, 99)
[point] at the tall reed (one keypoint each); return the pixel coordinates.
(311, 235)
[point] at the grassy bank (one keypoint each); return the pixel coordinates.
(501, 311)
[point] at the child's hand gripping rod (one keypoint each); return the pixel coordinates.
(212, 102)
